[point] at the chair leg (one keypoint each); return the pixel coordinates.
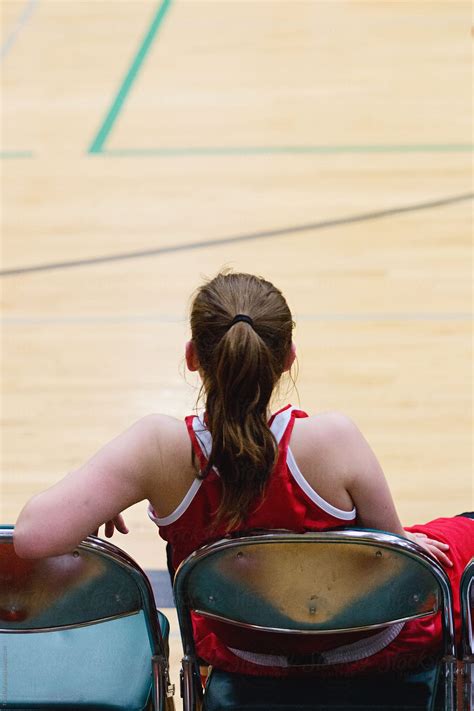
(191, 689)
(163, 691)
(450, 681)
(467, 694)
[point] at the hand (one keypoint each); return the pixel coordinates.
(117, 522)
(431, 546)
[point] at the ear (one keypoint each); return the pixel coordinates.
(192, 360)
(290, 358)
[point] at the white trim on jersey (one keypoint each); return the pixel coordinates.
(279, 425)
(313, 495)
(278, 428)
(180, 509)
(203, 436)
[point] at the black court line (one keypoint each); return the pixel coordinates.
(218, 242)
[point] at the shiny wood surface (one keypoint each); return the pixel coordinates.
(241, 118)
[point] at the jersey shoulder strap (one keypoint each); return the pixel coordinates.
(200, 437)
(282, 423)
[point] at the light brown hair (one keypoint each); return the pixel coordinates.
(240, 365)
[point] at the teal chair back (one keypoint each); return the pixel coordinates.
(79, 631)
(467, 613)
(281, 591)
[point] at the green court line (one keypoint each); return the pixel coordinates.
(16, 154)
(275, 150)
(97, 144)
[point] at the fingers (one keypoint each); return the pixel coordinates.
(120, 524)
(435, 548)
(115, 523)
(438, 544)
(440, 556)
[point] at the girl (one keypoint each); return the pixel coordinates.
(236, 469)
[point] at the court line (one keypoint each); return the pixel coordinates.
(177, 152)
(396, 316)
(113, 320)
(17, 28)
(15, 154)
(161, 585)
(117, 104)
(4, 50)
(110, 319)
(220, 241)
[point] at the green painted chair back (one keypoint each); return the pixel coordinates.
(281, 589)
(79, 631)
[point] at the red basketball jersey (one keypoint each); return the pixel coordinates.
(291, 503)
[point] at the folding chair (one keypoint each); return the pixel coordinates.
(277, 591)
(467, 613)
(80, 631)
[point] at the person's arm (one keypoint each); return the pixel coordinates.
(368, 489)
(119, 475)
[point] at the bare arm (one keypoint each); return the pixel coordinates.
(366, 483)
(118, 476)
(368, 488)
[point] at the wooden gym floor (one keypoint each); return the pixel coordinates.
(325, 145)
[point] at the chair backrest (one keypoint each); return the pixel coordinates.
(77, 630)
(283, 589)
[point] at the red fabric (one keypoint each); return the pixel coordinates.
(417, 644)
(287, 506)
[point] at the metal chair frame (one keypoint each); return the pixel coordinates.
(467, 638)
(161, 689)
(191, 688)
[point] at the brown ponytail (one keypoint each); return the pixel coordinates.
(240, 364)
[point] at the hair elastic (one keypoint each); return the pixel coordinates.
(241, 317)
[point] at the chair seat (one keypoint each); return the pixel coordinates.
(236, 692)
(89, 667)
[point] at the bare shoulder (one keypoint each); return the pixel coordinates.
(166, 433)
(175, 467)
(322, 446)
(329, 445)
(328, 430)
(160, 423)
(343, 463)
